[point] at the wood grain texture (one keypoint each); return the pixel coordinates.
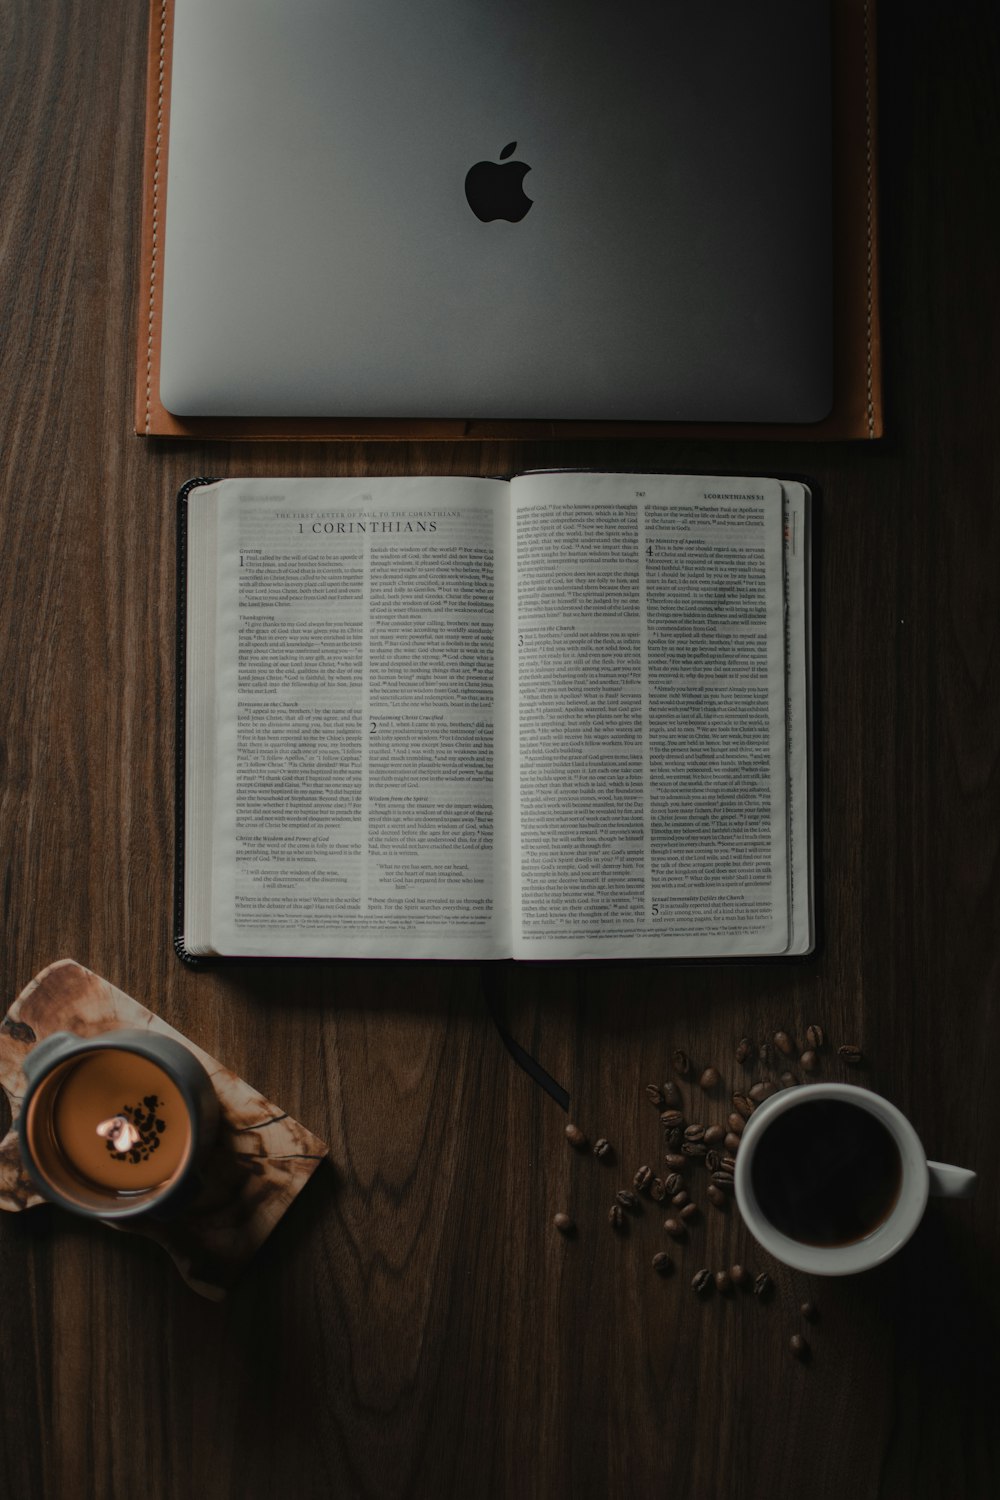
(418, 1328)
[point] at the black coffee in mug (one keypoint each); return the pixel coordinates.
(826, 1172)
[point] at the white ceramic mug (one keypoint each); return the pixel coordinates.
(917, 1179)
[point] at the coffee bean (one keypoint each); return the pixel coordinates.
(714, 1134)
(744, 1105)
(662, 1263)
(783, 1042)
(850, 1054)
(736, 1123)
(694, 1133)
(728, 1163)
(679, 1199)
(764, 1053)
(681, 1063)
(702, 1281)
(671, 1119)
(575, 1136)
(809, 1312)
(672, 1138)
(564, 1223)
(688, 1212)
(643, 1178)
(737, 1275)
(656, 1190)
(731, 1141)
(798, 1346)
(694, 1148)
(809, 1062)
(709, 1078)
(715, 1195)
(712, 1160)
(602, 1147)
(788, 1080)
(762, 1286)
(675, 1228)
(814, 1036)
(744, 1047)
(762, 1091)
(674, 1183)
(627, 1199)
(723, 1180)
(722, 1282)
(616, 1216)
(671, 1095)
(655, 1095)
(675, 1160)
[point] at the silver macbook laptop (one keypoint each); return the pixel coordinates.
(526, 209)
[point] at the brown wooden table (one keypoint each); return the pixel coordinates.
(417, 1326)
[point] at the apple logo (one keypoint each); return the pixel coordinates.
(495, 191)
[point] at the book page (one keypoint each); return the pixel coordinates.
(359, 802)
(798, 653)
(650, 807)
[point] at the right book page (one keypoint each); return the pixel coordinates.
(657, 728)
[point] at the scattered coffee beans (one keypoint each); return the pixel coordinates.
(715, 1195)
(736, 1123)
(673, 1137)
(798, 1346)
(712, 1160)
(679, 1199)
(709, 1078)
(616, 1216)
(723, 1180)
(564, 1223)
(702, 1281)
(809, 1062)
(662, 1263)
(671, 1095)
(728, 1163)
(762, 1285)
(655, 1095)
(764, 1053)
(743, 1105)
(744, 1047)
(656, 1190)
(675, 1228)
(784, 1043)
(731, 1141)
(849, 1054)
(575, 1136)
(714, 1134)
(602, 1147)
(722, 1282)
(814, 1036)
(788, 1080)
(681, 1063)
(672, 1119)
(643, 1178)
(674, 1183)
(809, 1312)
(762, 1091)
(694, 1133)
(738, 1275)
(689, 1212)
(627, 1199)
(694, 1148)
(675, 1160)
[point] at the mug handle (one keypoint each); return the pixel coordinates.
(951, 1182)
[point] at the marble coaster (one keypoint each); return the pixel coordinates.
(259, 1165)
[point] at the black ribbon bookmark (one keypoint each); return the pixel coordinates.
(533, 1068)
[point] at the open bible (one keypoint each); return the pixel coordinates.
(557, 717)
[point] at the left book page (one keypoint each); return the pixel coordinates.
(346, 760)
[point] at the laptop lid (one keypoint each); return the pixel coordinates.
(456, 208)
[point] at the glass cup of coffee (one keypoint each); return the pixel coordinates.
(116, 1125)
(831, 1178)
